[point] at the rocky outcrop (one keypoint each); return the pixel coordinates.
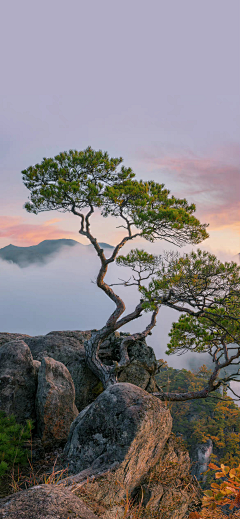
(44, 502)
(122, 441)
(39, 391)
(68, 347)
(22, 375)
(167, 492)
(55, 402)
(119, 445)
(201, 458)
(9, 337)
(37, 365)
(17, 380)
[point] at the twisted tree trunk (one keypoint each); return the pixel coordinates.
(106, 374)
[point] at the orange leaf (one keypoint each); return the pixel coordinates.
(212, 466)
(219, 475)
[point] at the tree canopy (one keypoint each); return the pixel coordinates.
(197, 285)
(206, 292)
(77, 180)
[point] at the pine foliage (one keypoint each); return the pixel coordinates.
(13, 436)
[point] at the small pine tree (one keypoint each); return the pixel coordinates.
(12, 437)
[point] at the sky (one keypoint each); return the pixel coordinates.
(155, 82)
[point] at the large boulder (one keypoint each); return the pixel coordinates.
(124, 427)
(120, 446)
(55, 402)
(18, 382)
(44, 502)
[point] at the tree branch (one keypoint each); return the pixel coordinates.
(120, 245)
(73, 210)
(182, 397)
(88, 216)
(212, 385)
(124, 358)
(229, 387)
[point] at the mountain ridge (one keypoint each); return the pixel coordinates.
(40, 253)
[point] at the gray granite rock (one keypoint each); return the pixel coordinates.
(120, 446)
(103, 434)
(55, 402)
(68, 348)
(17, 380)
(37, 365)
(201, 458)
(9, 337)
(44, 502)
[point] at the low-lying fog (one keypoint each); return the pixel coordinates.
(59, 295)
(62, 295)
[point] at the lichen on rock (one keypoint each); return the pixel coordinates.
(55, 402)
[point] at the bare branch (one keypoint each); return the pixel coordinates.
(126, 220)
(229, 387)
(182, 397)
(123, 283)
(213, 384)
(225, 351)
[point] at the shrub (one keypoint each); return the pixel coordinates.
(12, 439)
(222, 497)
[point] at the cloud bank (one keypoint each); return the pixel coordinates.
(63, 295)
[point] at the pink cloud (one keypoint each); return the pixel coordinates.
(212, 182)
(21, 233)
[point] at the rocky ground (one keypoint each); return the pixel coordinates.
(118, 446)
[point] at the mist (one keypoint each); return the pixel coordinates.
(61, 294)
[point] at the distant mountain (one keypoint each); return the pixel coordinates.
(41, 253)
(103, 245)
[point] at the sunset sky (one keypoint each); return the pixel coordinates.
(155, 82)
